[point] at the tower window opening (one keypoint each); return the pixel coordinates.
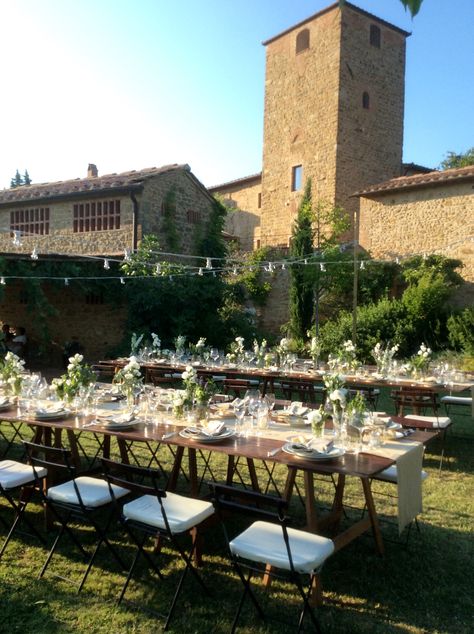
(375, 36)
(302, 41)
(366, 100)
(296, 177)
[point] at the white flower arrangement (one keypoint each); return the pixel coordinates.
(260, 351)
(135, 343)
(130, 376)
(179, 343)
(155, 344)
(314, 348)
(78, 375)
(236, 349)
(422, 358)
(384, 356)
(11, 371)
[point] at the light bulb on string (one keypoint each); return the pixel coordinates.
(208, 263)
(306, 261)
(106, 264)
(362, 265)
(122, 280)
(283, 267)
(2, 281)
(234, 270)
(66, 281)
(200, 272)
(126, 255)
(17, 238)
(34, 254)
(322, 267)
(158, 269)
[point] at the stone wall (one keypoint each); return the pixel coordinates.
(300, 122)
(439, 219)
(369, 140)
(192, 209)
(244, 221)
(98, 327)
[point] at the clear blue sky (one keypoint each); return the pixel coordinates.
(128, 84)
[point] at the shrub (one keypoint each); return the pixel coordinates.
(461, 331)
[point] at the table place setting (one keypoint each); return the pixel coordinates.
(212, 432)
(310, 448)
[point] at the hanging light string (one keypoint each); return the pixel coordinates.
(212, 265)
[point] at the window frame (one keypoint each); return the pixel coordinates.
(297, 177)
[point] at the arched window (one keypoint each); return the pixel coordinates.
(366, 100)
(302, 41)
(375, 36)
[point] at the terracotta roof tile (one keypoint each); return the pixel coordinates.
(420, 180)
(237, 181)
(61, 189)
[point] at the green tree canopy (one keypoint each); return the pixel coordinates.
(453, 159)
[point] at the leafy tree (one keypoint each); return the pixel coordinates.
(301, 284)
(464, 159)
(18, 180)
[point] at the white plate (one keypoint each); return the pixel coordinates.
(227, 433)
(335, 452)
(117, 425)
(52, 415)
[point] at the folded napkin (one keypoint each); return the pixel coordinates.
(409, 458)
(296, 409)
(214, 428)
(300, 443)
(116, 418)
(56, 409)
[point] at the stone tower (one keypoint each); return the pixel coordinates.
(334, 99)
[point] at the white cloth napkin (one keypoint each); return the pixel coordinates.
(409, 460)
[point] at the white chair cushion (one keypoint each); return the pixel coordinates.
(15, 474)
(93, 491)
(263, 542)
(183, 513)
(438, 421)
(456, 400)
(391, 475)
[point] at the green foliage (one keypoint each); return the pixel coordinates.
(419, 315)
(461, 330)
(463, 159)
(249, 283)
(18, 180)
(301, 287)
(412, 5)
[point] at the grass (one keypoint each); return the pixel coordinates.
(425, 587)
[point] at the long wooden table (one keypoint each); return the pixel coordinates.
(363, 466)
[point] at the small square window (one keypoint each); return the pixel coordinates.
(296, 177)
(259, 201)
(375, 36)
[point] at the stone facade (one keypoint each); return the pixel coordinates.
(243, 198)
(140, 197)
(315, 115)
(407, 217)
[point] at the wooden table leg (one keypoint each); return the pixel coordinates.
(369, 500)
(173, 479)
(193, 476)
(253, 475)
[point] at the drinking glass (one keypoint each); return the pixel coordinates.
(215, 355)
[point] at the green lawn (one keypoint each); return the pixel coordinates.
(427, 587)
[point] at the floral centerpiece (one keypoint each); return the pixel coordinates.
(155, 345)
(317, 418)
(236, 350)
(197, 392)
(135, 344)
(336, 395)
(283, 350)
(77, 376)
(179, 344)
(421, 360)
(11, 372)
(198, 349)
(314, 349)
(130, 379)
(260, 351)
(383, 357)
(355, 409)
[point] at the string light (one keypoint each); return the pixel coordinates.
(66, 281)
(17, 239)
(200, 272)
(106, 264)
(2, 281)
(34, 254)
(158, 269)
(122, 280)
(322, 267)
(362, 265)
(208, 263)
(234, 270)
(126, 255)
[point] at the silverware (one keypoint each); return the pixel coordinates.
(168, 435)
(273, 452)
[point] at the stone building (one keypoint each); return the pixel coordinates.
(334, 107)
(94, 216)
(422, 213)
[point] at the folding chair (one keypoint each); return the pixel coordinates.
(82, 499)
(269, 541)
(16, 477)
(157, 514)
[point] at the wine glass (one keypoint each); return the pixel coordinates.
(214, 355)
